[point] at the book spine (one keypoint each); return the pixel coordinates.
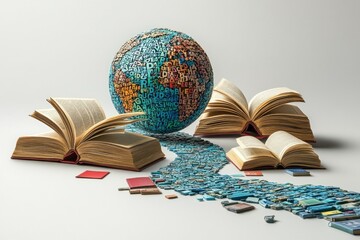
(72, 156)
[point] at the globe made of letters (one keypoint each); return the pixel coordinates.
(165, 74)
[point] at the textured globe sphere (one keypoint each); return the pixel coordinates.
(165, 74)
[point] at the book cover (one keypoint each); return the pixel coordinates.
(253, 173)
(349, 226)
(239, 207)
(140, 182)
(310, 202)
(297, 172)
(93, 174)
(342, 217)
(330, 213)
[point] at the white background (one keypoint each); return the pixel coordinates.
(64, 48)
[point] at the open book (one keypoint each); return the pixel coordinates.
(281, 149)
(228, 112)
(82, 135)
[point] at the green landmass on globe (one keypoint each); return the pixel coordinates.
(165, 74)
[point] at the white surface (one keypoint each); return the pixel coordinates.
(64, 48)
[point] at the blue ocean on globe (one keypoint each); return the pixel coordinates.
(165, 74)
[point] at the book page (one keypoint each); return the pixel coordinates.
(250, 142)
(288, 118)
(124, 139)
(232, 91)
(271, 98)
(78, 114)
(120, 150)
(220, 101)
(52, 119)
(286, 109)
(108, 124)
(279, 142)
(46, 146)
(251, 158)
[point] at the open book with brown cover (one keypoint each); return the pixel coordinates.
(82, 135)
(281, 150)
(228, 112)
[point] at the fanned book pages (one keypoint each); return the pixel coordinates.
(82, 135)
(228, 112)
(281, 149)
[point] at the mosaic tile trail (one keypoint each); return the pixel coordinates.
(195, 172)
